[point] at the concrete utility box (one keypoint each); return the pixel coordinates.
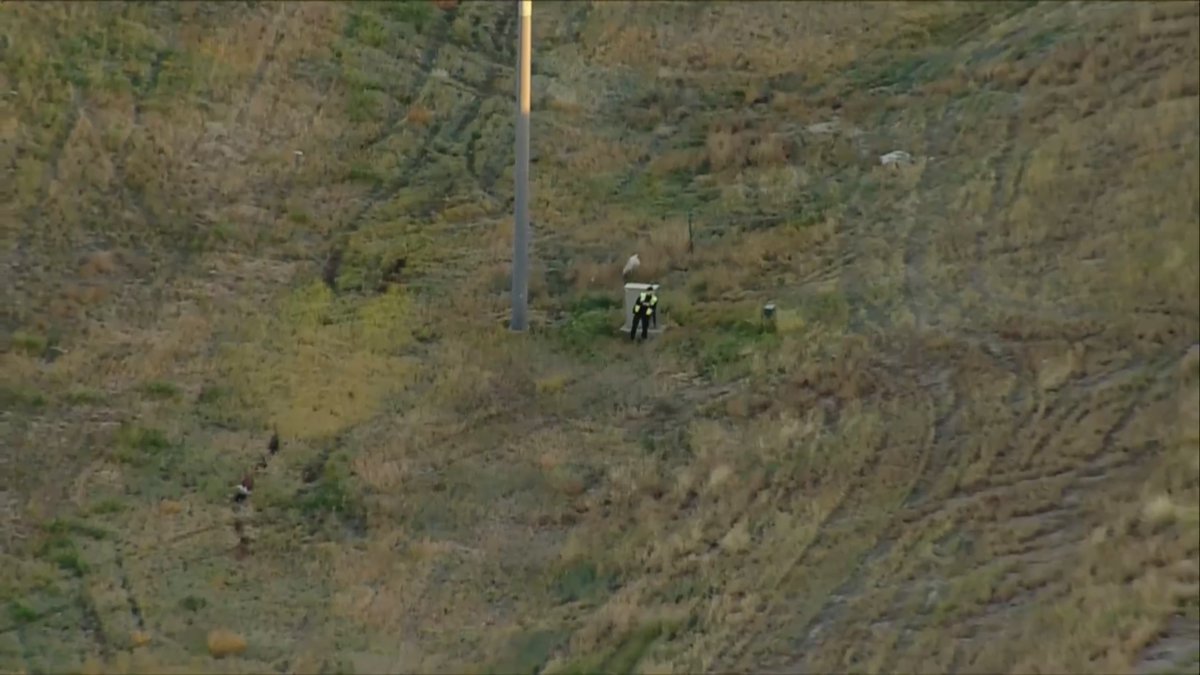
(632, 291)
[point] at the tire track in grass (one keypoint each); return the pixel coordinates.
(386, 191)
(282, 16)
(33, 231)
(839, 534)
(1048, 546)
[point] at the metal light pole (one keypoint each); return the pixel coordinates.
(520, 263)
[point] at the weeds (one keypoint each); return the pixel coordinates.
(161, 390)
(61, 550)
(84, 397)
(582, 581)
(33, 345)
(22, 398)
(529, 651)
(138, 446)
(582, 332)
(20, 613)
(330, 496)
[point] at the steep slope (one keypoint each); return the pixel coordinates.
(970, 444)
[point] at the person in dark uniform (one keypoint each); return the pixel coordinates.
(644, 312)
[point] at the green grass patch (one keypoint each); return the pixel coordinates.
(626, 656)
(193, 603)
(582, 581)
(160, 389)
(107, 506)
(581, 333)
(20, 613)
(830, 309)
(220, 406)
(529, 652)
(61, 550)
(83, 396)
(66, 526)
(29, 343)
(331, 496)
(658, 195)
(593, 302)
(137, 445)
(417, 14)
(366, 105)
(723, 341)
(13, 398)
(364, 172)
(365, 27)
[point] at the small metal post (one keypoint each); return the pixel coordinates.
(690, 241)
(768, 317)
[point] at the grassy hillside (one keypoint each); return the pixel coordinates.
(971, 443)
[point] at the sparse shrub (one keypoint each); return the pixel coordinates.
(211, 394)
(365, 27)
(1159, 511)
(581, 580)
(594, 302)
(362, 172)
(160, 389)
(21, 613)
(528, 652)
(678, 161)
(21, 398)
(28, 343)
(107, 506)
(330, 495)
(549, 386)
(418, 14)
(136, 445)
(139, 638)
(594, 275)
(582, 330)
(632, 648)
(725, 149)
(193, 603)
(829, 308)
(220, 406)
(61, 550)
(365, 105)
(99, 263)
(83, 397)
(85, 295)
(61, 526)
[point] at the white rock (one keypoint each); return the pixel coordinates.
(823, 128)
(895, 158)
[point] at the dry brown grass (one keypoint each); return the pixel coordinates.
(418, 116)
(968, 446)
(223, 642)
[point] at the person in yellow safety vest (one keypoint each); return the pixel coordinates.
(644, 312)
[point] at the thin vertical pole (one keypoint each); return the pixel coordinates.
(690, 245)
(521, 235)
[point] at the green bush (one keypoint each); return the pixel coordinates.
(160, 390)
(581, 331)
(331, 495)
(21, 398)
(582, 580)
(20, 613)
(529, 651)
(137, 445)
